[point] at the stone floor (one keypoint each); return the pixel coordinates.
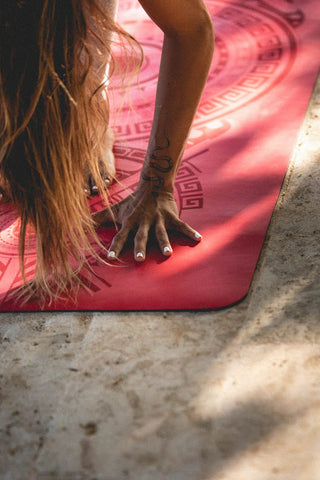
(225, 395)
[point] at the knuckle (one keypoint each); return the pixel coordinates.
(159, 228)
(126, 226)
(159, 217)
(160, 232)
(162, 237)
(120, 236)
(140, 237)
(178, 223)
(176, 219)
(160, 225)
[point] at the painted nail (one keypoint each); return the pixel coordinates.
(94, 188)
(107, 181)
(112, 254)
(140, 255)
(197, 236)
(167, 250)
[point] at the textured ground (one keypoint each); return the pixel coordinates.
(225, 395)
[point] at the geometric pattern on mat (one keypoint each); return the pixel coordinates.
(262, 74)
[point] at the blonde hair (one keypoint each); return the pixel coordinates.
(53, 119)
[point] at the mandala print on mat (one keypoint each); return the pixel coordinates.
(233, 167)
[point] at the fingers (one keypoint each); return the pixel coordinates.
(141, 238)
(142, 223)
(140, 243)
(118, 242)
(162, 237)
(185, 229)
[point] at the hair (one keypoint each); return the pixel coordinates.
(54, 116)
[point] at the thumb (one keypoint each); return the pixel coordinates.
(104, 216)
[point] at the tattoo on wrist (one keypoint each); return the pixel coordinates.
(160, 164)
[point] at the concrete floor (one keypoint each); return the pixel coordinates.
(225, 395)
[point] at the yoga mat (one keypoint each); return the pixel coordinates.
(264, 68)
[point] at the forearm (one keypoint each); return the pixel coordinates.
(185, 63)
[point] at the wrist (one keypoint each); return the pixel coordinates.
(151, 180)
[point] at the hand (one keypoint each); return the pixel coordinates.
(139, 212)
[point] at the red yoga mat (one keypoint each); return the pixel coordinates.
(264, 67)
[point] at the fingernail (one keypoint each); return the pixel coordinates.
(107, 181)
(197, 236)
(139, 255)
(112, 254)
(167, 250)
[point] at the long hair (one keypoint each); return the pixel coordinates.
(54, 116)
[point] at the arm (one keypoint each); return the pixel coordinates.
(186, 58)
